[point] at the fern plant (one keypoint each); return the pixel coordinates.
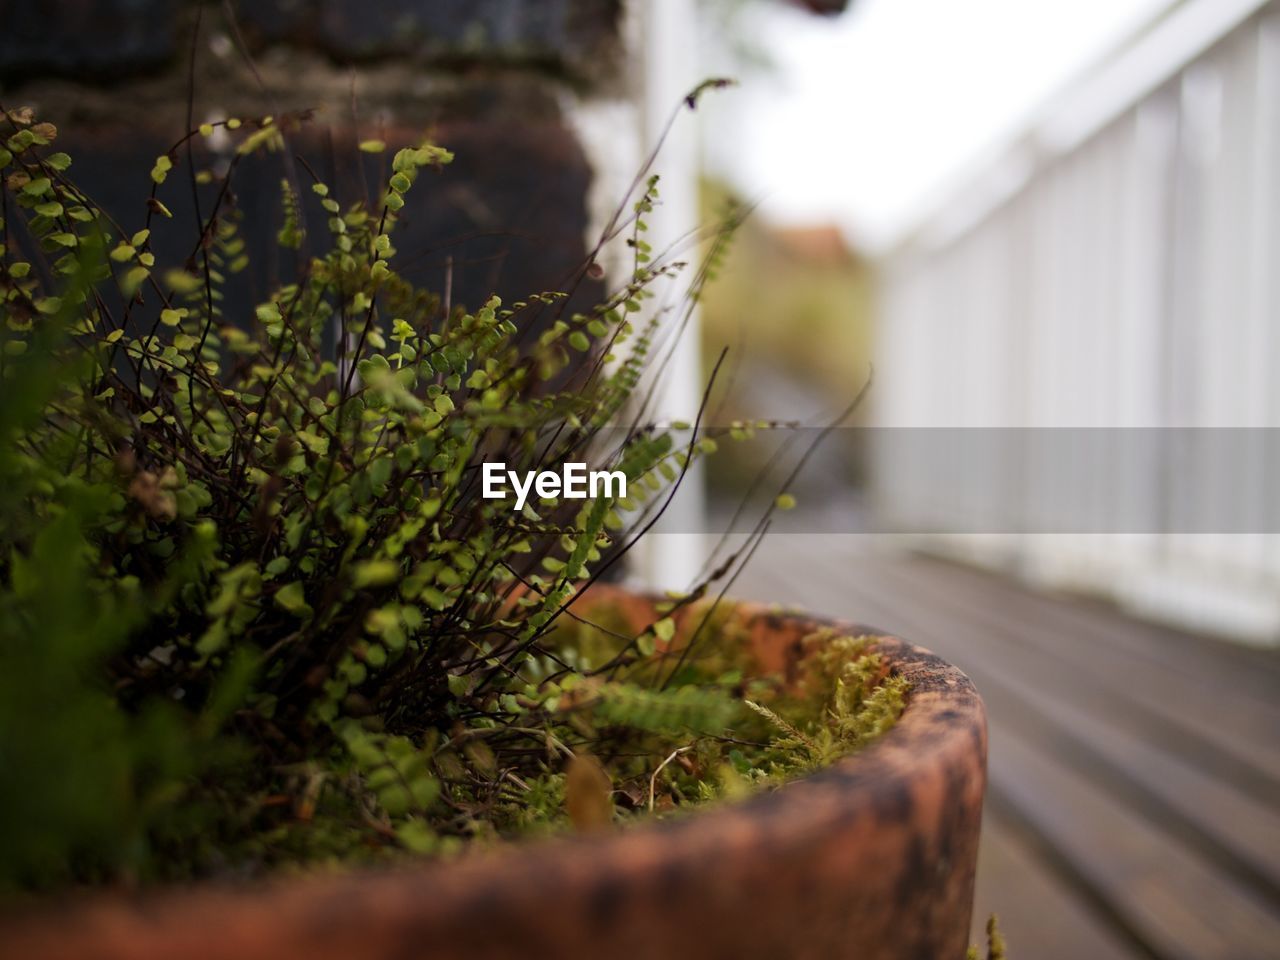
(253, 606)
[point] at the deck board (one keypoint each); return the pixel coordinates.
(1188, 706)
(1039, 916)
(1135, 769)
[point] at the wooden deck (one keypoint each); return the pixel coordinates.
(1133, 809)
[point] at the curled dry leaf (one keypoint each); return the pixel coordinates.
(154, 494)
(588, 793)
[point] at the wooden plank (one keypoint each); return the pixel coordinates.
(1253, 673)
(1041, 916)
(1237, 833)
(901, 605)
(1119, 644)
(1182, 907)
(1140, 769)
(1233, 829)
(1200, 721)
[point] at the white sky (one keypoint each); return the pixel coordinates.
(870, 114)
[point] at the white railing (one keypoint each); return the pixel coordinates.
(1118, 266)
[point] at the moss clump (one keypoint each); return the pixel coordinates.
(848, 702)
(995, 943)
(733, 730)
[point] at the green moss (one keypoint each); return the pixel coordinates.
(727, 730)
(995, 943)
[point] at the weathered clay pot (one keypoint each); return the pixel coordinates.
(872, 858)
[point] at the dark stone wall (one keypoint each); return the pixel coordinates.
(573, 38)
(86, 38)
(116, 38)
(486, 78)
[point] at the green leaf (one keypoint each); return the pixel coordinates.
(313, 441)
(375, 573)
(182, 282)
(161, 168)
(133, 279)
(677, 710)
(268, 313)
(417, 837)
(292, 599)
(380, 471)
(373, 369)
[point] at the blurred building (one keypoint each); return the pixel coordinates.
(1099, 308)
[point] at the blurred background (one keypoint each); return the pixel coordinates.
(1051, 226)
(1054, 228)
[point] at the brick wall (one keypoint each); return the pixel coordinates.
(496, 81)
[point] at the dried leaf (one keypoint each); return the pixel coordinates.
(588, 794)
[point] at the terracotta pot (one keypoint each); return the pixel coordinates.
(871, 858)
